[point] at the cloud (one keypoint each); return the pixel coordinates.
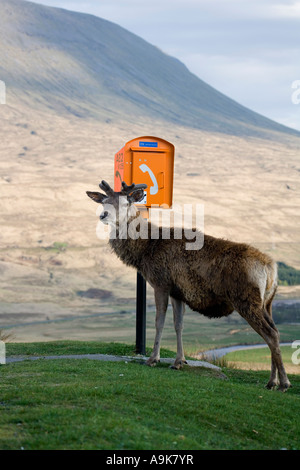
(288, 11)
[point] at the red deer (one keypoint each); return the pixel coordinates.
(215, 280)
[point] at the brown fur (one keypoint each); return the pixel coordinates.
(211, 281)
(221, 277)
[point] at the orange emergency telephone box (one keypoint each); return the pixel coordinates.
(148, 160)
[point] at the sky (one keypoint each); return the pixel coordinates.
(247, 49)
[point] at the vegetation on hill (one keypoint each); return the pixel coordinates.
(287, 275)
(286, 313)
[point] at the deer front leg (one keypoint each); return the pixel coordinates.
(161, 302)
(178, 312)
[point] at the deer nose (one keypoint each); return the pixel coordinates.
(103, 215)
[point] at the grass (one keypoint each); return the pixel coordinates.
(76, 347)
(83, 404)
(5, 336)
(261, 359)
(262, 355)
(199, 334)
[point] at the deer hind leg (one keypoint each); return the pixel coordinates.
(261, 321)
(161, 302)
(273, 382)
(178, 313)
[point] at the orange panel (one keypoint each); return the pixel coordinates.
(148, 160)
(119, 170)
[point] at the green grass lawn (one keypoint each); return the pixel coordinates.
(84, 404)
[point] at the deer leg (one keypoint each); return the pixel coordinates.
(263, 324)
(273, 382)
(273, 343)
(178, 312)
(161, 302)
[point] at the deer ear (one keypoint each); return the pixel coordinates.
(97, 197)
(136, 196)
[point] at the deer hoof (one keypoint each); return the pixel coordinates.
(178, 364)
(272, 384)
(152, 362)
(284, 387)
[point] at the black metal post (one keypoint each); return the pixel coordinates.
(140, 314)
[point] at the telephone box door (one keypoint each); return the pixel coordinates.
(150, 168)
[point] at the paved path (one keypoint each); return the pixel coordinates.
(107, 357)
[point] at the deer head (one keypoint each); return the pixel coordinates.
(118, 206)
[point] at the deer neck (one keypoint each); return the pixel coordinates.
(127, 240)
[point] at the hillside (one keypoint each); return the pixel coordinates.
(69, 110)
(77, 64)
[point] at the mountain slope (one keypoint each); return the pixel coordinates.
(78, 88)
(68, 62)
